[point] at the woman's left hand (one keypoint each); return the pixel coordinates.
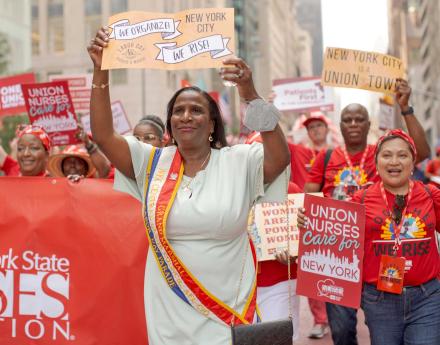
(282, 257)
(238, 72)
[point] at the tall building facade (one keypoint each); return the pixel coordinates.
(309, 18)
(15, 47)
(414, 27)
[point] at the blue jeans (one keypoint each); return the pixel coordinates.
(412, 318)
(342, 322)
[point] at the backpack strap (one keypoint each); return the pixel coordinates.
(328, 154)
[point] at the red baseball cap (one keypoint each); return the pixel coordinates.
(315, 116)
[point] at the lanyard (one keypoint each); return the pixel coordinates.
(361, 165)
(397, 227)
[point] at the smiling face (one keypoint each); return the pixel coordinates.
(31, 155)
(74, 166)
(394, 162)
(354, 125)
(191, 124)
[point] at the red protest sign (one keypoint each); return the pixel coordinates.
(72, 263)
(331, 251)
(11, 96)
(80, 87)
(49, 105)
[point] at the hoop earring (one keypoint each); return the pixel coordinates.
(210, 138)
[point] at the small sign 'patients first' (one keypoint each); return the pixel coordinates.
(361, 70)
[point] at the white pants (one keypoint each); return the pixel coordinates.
(273, 302)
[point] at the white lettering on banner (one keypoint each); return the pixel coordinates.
(11, 96)
(216, 45)
(123, 30)
(34, 296)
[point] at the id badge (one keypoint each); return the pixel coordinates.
(391, 271)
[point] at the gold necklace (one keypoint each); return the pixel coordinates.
(186, 185)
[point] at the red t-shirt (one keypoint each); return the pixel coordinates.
(338, 178)
(433, 167)
(301, 160)
(418, 233)
(272, 272)
(10, 167)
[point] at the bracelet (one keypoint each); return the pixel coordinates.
(410, 111)
(102, 86)
(91, 148)
(261, 116)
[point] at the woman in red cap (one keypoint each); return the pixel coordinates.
(33, 149)
(401, 294)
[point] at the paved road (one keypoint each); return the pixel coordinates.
(306, 323)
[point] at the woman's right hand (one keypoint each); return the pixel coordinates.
(96, 46)
(301, 218)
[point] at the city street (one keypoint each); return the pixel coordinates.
(306, 324)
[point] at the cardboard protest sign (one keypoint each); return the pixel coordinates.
(386, 116)
(268, 227)
(80, 88)
(361, 70)
(49, 105)
(72, 263)
(299, 94)
(11, 95)
(331, 251)
(196, 38)
(120, 120)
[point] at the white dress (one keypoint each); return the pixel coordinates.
(207, 230)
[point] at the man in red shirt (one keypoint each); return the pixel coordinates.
(350, 168)
(301, 160)
(432, 170)
(303, 157)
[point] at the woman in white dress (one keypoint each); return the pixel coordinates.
(196, 195)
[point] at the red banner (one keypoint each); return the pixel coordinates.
(72, 260)
(331, 251)
(49, 105)
(11, 96)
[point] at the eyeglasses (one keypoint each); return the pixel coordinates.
(399, 204)
(146, 137)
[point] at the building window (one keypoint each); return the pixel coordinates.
(93, 18)
(118, 76)
(118, 6)
(35, 28)
(55, 11)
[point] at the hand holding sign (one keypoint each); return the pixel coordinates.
(97, 45)
(403, 92)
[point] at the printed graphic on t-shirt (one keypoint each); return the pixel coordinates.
(347, 181)
(413, 228)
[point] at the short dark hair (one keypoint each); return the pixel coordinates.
(154, 120)
(219, 137)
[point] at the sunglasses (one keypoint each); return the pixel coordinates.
(147, 137)
(399, 204)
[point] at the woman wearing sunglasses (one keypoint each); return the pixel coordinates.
(401, 294)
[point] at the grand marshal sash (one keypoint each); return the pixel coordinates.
(164, 174)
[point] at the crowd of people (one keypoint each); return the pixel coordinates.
(196, 193)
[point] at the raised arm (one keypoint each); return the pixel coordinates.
(111, 143)
(276, 151)
(415, 129)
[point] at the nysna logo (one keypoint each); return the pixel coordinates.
(345, 177)
(34, 296)
(413, 228)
